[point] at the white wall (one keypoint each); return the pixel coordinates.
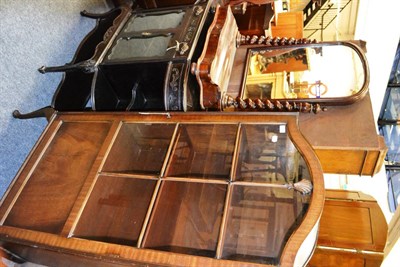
(378, 24)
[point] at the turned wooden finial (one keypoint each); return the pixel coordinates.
(271, 41)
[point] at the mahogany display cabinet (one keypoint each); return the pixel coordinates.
(169, 189)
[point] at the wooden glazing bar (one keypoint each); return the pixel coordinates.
(171, 148)
(222, 230)
(147, 218)
(236, 153)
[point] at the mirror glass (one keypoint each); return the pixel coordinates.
(313, 72)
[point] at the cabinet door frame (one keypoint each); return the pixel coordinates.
(63, 243)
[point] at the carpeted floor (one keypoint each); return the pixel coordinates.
(32, 34)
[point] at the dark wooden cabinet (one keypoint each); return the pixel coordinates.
(173, 189)
(135, 59)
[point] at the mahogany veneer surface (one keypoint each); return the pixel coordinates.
(345, 138)
(352, 232)
(46, 183)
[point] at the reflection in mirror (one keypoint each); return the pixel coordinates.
(312, 72)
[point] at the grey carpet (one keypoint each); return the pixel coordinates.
(34, 33)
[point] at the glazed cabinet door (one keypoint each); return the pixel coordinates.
(171, 190)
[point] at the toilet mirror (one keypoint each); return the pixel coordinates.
(335, 73)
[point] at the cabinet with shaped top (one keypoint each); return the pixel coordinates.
(167, 189)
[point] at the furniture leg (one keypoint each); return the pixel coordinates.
(42, 112)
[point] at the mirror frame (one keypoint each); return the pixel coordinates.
(329, 101)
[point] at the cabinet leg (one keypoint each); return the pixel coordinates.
(87, 14)
(46, 112)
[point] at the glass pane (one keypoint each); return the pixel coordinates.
(395, 73)
(393, 175)
(140, 148)
(260, 220)
(140, 47)
(203, 151)
(154, 22)
(51, 191)
(266, 154)
(392, 109)
(187, 218)
(116, 210)
(391, 133)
